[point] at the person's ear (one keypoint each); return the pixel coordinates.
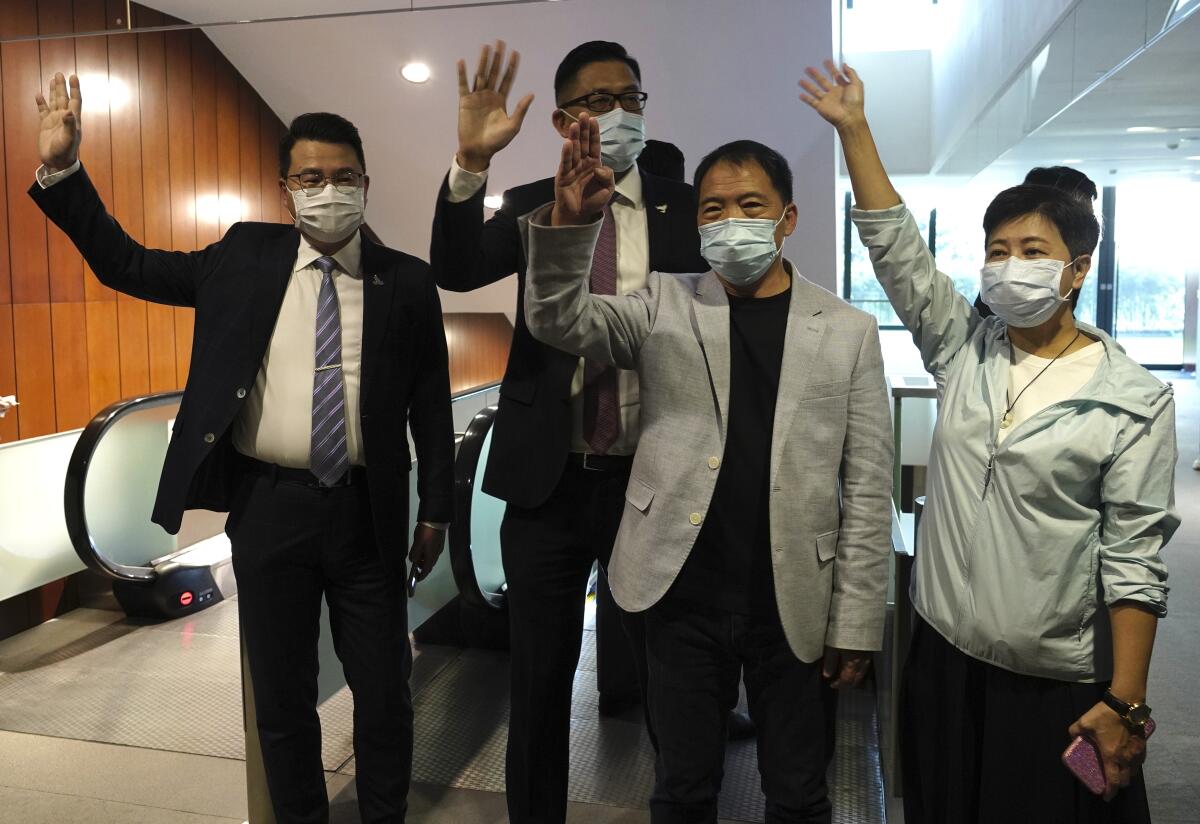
(285, 197)
(1083, 265)
(366, 187)
(561, 123)
(790, 218)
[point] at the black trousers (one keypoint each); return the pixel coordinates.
(548, 556)
(982, 745)
(696, 655)
(291, 546)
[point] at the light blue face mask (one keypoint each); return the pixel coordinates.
(741, 250)
(622, 137)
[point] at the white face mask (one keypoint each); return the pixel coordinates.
(1023, 293)
(741, 250)
(330, 216)
(622, 137)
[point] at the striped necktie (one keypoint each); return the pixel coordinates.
(328, 457)
(601, 421)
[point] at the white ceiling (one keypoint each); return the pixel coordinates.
(225, 11)
(703, 92)
(1157, 88)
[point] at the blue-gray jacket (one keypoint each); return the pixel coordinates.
(1080, 500)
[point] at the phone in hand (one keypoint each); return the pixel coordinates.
(1082, 758)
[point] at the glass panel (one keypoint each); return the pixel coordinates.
(1154, 219)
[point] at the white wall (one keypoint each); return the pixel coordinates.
(716, 70)
(981, 46)
(898, 85)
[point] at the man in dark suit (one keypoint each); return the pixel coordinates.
(312, 351)
(565, 432)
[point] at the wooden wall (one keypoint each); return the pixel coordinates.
(477, 345)
(179, 146)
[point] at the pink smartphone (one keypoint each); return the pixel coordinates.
(1082, 758)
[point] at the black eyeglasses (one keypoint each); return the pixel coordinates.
(346, 182)
(601, 102)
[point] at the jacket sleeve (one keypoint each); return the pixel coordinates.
(1138, 495)
(119, 261)
(559, 307)
(467, 253)
(860, 578)
(940, 319)
(430, 417)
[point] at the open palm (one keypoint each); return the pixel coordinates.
(583, 185)
(484, 124)
(60, 131)
(837, 95)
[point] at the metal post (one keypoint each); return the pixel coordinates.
(1106, 292)
(846, 256)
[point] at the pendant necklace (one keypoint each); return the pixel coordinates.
(1007, 419)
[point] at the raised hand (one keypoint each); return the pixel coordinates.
(582, 185)
(61, 131)
(837, 97)
(484, 124)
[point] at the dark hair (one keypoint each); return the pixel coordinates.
(662, 159)
(1071, 181)
(585, 54)
(323, 127)
(740, 152)
(1076, 222)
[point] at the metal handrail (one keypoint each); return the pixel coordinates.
(466, 468)
(76, 482)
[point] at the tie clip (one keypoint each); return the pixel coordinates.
(329, 366)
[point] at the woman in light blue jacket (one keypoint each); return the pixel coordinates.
(1038, 582)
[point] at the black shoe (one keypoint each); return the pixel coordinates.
(741, 727)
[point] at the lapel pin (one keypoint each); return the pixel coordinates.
(376, 280)
(662, 207)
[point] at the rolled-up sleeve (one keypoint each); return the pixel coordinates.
(1138, 494)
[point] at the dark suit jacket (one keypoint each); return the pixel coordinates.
(236, 286)
(532, 431)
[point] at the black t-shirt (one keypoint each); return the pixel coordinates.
(730, 565)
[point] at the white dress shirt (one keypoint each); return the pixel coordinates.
(275, 424)
(633, 266)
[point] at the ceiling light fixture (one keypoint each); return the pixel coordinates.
(1145, 130)
(493, 201)
(415, 72)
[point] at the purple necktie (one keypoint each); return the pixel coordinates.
(601, 419)
(328, 458)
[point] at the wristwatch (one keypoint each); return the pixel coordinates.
(1134, 715)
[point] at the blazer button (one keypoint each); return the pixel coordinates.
(696, 518)
(241, 393)
(209, 437)
(714, 462)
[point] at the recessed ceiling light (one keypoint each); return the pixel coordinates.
(1194, 157)
(1145, 129)
(493, 201)
(415, 72)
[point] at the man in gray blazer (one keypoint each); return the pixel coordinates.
(757, 520)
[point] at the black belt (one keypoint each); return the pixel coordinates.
(301, 477)
(600, 463)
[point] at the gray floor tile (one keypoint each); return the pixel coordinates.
(32, 807)
(191, 784)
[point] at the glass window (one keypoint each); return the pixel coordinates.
(1154, 219)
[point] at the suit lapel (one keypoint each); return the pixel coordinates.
(801, 345)
(275, 270)
(379, 287)
(710, 314)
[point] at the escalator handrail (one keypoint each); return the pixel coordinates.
(466, 469)
(76, 483)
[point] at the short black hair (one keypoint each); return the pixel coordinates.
(324, 127)
(1071, 181)
(585, 54)
(663, 160)
(1074, 221)
(740, 152)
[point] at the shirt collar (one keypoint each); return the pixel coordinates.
(349, 257)
(629, 188)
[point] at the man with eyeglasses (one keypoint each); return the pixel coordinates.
(313, 350)
(566, 430)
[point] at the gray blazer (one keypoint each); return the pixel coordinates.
(831, 462)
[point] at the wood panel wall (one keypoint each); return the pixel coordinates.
(477, 345)
(174, 140)
(179, 146)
